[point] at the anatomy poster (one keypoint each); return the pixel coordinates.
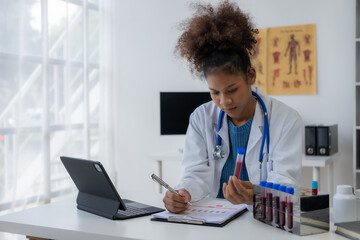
(259, 60)
(291, 59)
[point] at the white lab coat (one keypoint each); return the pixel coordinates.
(201, 172)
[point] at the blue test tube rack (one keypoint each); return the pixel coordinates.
(291, 208)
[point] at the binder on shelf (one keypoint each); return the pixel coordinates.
(321, 140)
(310, 140)
(207, 212)
(327, 140)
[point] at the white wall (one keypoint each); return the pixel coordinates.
(146, 33)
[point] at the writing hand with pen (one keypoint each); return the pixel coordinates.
(174, 201)
(237, 191)
(177, 202)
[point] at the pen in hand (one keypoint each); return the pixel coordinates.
(165, 185)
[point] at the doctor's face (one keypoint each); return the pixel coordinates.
(232, 93)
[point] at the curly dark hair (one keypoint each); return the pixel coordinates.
(217, 39)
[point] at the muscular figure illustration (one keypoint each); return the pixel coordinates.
(297, 83)
(292, 55)
(259, 82)
(259, 67)
(310, 73)
(304, 72)
(307, 53)
(307, 39)
(286, 84)
(276, 41)
(276, 56)
(257, 49)
(276, 74)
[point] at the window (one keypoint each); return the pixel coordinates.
(49, 85)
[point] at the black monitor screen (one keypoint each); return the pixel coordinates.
(175, 110)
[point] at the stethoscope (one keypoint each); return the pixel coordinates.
(219, 153)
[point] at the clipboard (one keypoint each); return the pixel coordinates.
(207, 212)
(200, 222)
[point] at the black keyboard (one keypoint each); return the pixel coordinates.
(132, 211)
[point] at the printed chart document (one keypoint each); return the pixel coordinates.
(211, 212)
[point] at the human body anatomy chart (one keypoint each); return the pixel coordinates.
(290, 58)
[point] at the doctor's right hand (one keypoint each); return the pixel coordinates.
(176, 203)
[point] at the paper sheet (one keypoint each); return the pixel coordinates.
(208, 210)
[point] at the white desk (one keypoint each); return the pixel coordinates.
(316, 162)
(62, 220)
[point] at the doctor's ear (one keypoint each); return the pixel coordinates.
(251, 76)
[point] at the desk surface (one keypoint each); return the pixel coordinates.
(62, 220)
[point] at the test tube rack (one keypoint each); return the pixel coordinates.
(304, 215)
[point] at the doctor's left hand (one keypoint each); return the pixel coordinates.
(237, 191)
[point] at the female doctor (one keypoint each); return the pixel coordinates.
(218, 42)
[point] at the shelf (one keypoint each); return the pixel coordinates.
(357, 151)
(319, 161)
(357, 61)
(357, 103)
(356, 157)
(357, 23)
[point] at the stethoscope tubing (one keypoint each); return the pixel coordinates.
(266, 134)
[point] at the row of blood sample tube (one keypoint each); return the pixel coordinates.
(277, 204)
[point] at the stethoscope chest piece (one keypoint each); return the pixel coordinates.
(218, 152)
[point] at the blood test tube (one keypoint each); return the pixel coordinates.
(239, 162)
(282, 206)
(276, 197)
(263, 200)
(314, 188)
(289, 207)
(269, 201)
